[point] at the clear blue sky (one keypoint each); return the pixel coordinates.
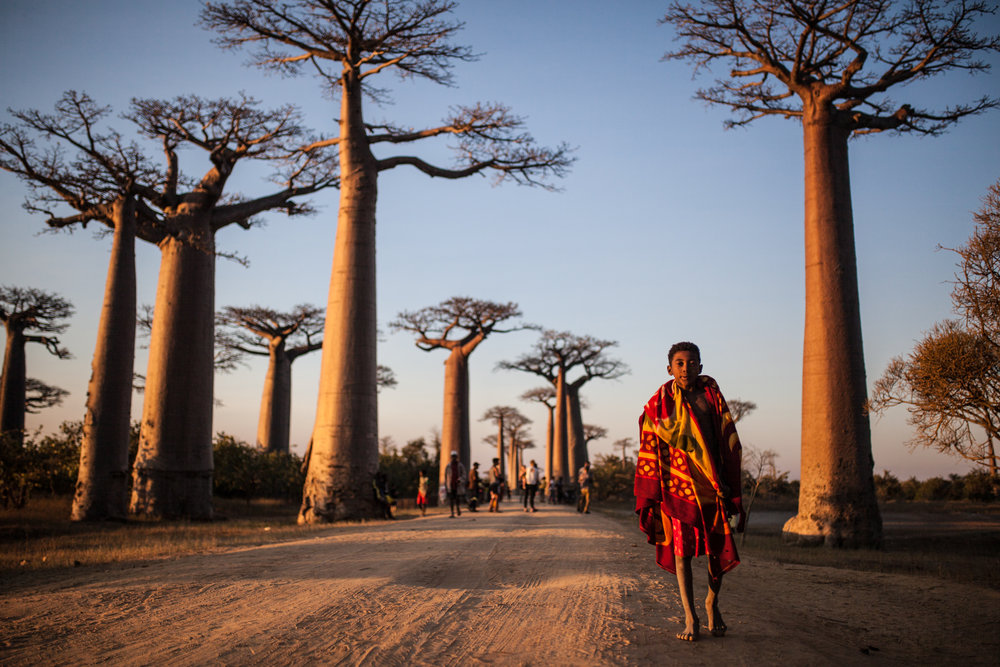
(668, 228)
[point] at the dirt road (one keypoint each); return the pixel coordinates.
(550, 588)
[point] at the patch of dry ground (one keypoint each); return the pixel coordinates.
(550, 588)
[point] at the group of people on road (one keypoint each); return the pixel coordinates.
(461, 487)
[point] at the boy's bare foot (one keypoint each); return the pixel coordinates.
(690, 632)
(715, 623)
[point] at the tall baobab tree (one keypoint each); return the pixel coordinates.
(282, 338)
(172, 475)
(546, 396)
(458, 325)
(830, 66)
(30, 316)
(554, 357)
(499, 414)
(348, 44)
(99, 185)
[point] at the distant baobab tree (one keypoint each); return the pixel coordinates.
(282, 337)
(459, 325)
(554, 356)
(30, 316)
(172, 475)
(547, 397)
(593, 432)
(830, 66)
(738, 409)
(512, 429)
(347, 44)
(68, 160)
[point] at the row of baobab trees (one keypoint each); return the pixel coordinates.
(828, 65)
(565, 361)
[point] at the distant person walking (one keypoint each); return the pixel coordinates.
(422, 492)
(584, 480)
(475, 487)
(454, 482)
(530, 486)
(496, 485)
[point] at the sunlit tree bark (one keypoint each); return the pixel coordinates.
(348, 43)
(829, 65)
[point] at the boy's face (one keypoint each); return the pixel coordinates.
(685, 366)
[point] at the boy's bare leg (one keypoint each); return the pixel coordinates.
(686, 587)
(715, 623)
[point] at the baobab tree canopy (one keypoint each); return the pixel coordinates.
(783, 57)
(831, 66)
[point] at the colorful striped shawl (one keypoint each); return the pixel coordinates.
(676, 476)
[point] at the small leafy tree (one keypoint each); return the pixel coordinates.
(950, 382)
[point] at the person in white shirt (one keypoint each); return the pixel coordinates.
(530, 487)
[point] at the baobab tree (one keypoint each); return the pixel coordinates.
(172, 475)
(546, 396)
(593, 432)
(500, 415)
(282, 337)
(830, 66)
(554, 356)
(458, 325)
(348, 44)
(98, 184)
(511, 429)
(30, 316)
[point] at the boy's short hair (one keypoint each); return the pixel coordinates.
(683, 346)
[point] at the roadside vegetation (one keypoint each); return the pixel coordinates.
(257, 497)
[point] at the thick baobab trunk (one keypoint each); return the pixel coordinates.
(102, 484)
(173, 468)
(13, 385)
(275, 421)
(500, 446)
(577, 443)
(837, 504)
(548, 442)
(455, 426)
(515, 472)
(344, 455)
(560, 437)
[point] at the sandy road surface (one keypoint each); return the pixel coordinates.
(551, 588)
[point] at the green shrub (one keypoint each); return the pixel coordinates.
(244, 471)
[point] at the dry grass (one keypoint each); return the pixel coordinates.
(41, 536)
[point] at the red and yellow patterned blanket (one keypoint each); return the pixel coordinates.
(676, 476)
